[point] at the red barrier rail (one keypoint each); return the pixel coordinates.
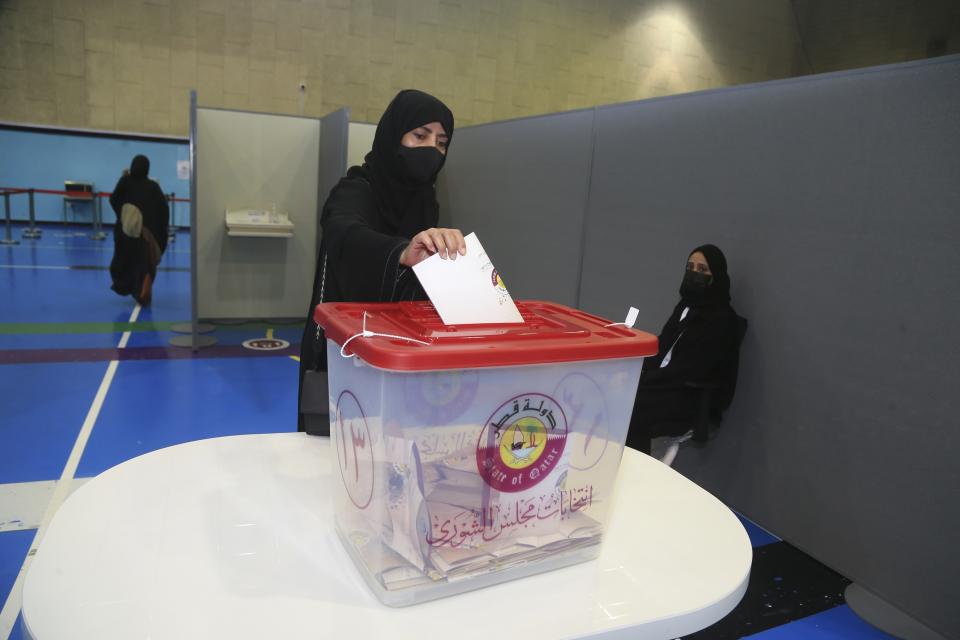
(78, 195)
(34, 232)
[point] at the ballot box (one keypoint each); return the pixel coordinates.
(469, 455)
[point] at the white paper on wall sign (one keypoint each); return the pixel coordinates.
(183, 169)
(467, 290)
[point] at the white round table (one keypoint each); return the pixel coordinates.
(233, 538)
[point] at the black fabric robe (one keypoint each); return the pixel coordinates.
(359, 259)
(368, 220)
(131, 261)
(702, 345)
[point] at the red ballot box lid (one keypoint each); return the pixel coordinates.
(550, 333)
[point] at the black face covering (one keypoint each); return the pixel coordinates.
(700, 289)
(421, 164)
(403, 178)
(694, 285)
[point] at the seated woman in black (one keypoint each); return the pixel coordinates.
(696, 345)
(380, 220)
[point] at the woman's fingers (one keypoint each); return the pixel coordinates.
(424, 238)
(435, 241)
(444, 241)
(449, 243)
(452, 242)
(461, 243)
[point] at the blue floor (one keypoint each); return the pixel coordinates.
(758, 536)
(158, 404)
(839, 623)
(41, 422)
(13, 549)
(56, 296)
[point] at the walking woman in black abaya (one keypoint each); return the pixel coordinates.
(698, 346)
(379, 221)
(140, 234)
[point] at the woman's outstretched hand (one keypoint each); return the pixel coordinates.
(447, 242)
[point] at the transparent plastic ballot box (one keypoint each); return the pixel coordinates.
(470, 455)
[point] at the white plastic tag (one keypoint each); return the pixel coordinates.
(629, 322)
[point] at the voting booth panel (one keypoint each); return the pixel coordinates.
(260, 162)
(359, 142)
(521, 185)
(343, 144)
(334, 134)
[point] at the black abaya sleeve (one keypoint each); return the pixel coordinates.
(117, 197)
(362, 258)
(362, 265)
(698, 353)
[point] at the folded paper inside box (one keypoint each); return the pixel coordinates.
(444, 522)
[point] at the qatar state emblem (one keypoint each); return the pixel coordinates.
(521, 442)
(497, 280)
(502, 294)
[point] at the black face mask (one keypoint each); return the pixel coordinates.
(694, 285)
(421, 164)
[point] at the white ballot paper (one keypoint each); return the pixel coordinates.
(467, 290)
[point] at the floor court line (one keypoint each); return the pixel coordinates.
(11, 608)
(22, 504)
(31, 266)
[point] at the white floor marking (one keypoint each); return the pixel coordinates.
(126, 334)
(22, 504)
(63, 488)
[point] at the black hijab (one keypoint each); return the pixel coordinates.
(140, 167)
(699, 331)
(406, 207)
(718, 291)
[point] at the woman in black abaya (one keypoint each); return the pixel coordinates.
(380, 220)
(696, 346)
(140, 234)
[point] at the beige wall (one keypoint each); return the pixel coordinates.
(129, 64)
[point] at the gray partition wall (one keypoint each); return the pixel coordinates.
(333, 160)
(522, 186)
(246, 161)
(836, 199)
